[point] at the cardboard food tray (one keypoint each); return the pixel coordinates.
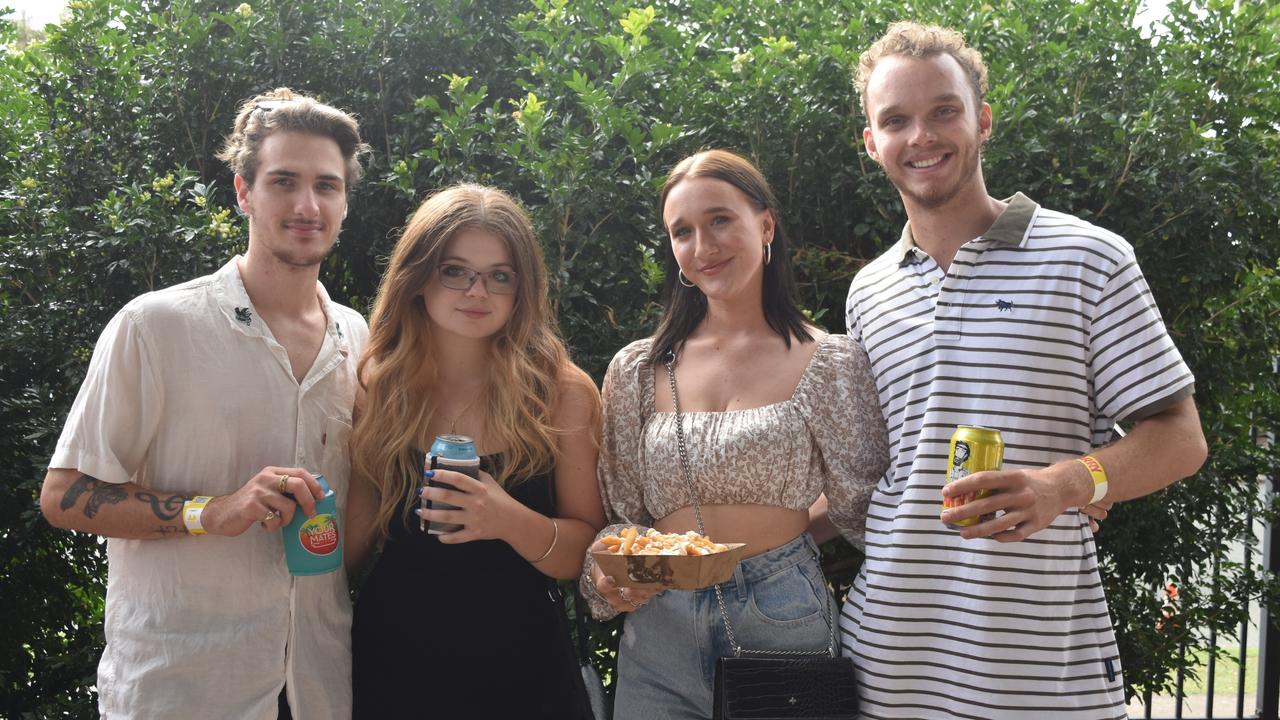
(682, 572)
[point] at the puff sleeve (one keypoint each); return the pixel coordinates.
(843, 416)
(627, 400)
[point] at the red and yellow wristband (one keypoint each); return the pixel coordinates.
(1099, 477)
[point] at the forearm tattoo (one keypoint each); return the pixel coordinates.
(100, 493)
(164, 508)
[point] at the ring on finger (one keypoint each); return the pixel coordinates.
(632, 603)
(284, 484)
(271, 516)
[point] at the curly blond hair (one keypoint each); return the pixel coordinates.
(913, 39)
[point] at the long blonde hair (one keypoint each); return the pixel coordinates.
(399, 372)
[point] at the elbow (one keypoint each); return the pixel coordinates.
(1196, 454)
(51, 508)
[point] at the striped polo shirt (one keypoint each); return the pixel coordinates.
(1043, 328)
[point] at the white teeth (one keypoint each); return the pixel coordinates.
(921, 164)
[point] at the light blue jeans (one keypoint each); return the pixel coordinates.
(666, 660)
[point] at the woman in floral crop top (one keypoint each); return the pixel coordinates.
(776, 414)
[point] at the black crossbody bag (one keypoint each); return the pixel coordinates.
(771, 684)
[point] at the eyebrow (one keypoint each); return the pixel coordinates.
(455, 260)
(936, 100)
(708, 211)
(292, 174)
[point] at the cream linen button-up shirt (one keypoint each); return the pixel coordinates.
(188, 392)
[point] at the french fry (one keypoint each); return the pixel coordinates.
(655, 543)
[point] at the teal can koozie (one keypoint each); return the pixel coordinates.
(313, 545)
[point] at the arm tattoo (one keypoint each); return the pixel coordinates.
(164, 508)
(100, 493)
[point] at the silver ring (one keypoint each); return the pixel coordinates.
(632, 603)
(271, 516)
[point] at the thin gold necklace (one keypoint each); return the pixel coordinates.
(453, 424)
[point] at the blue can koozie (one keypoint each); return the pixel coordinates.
(313, 545)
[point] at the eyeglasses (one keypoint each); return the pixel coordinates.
(458, 277)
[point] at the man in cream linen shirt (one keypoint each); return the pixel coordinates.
(204, 404)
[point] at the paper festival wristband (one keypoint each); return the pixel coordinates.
(1099, 477)
(191, 511)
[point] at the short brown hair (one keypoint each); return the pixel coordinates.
(283, 110)
(916, 40)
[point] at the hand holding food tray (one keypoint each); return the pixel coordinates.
(684, 561)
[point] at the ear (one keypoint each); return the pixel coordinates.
(767, 226)
(869, 142)
(985, 122)
(242, 194)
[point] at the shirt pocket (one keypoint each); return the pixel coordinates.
(335, 461)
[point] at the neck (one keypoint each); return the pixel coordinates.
(461, 363)
(740, 316)
(276, 288)
(941, 231)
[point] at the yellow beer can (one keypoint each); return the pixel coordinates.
(973, 449)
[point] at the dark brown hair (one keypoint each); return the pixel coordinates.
(283, 110)
(685, 307)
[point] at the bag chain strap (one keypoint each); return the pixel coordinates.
(738, 650)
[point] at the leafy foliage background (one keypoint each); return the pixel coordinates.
(108, 188)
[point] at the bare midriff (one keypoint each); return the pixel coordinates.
(761, 527)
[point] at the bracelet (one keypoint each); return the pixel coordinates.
(554, 539)
(191, 511)
(1099, 477)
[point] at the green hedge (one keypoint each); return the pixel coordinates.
(108, 188)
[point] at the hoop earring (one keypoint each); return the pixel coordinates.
(768, 252)
(683, 280)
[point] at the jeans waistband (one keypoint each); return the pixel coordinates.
(800, 550)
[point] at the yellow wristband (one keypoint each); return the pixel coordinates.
(191, 511)
(1099, 477)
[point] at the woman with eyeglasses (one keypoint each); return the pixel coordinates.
(461, 342)
(774, 414)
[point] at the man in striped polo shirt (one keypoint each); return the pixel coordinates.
(1000, 314)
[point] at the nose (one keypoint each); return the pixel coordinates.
(477, 288)
(922, 134)
(306, 204)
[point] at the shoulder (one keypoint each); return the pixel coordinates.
(579, 402)
(1052, 229)
(576, 384)
(182, 303)
(630, 360)
(837, 364)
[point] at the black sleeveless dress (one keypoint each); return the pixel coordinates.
(462, 631)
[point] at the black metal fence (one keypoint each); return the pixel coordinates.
(1264, 704)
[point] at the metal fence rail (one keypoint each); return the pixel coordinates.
(1265, 705)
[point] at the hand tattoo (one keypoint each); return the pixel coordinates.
(100, 493)
(164, 508)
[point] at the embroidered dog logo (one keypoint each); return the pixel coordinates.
(1003, 305)
(243, 315)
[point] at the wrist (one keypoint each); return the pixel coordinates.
(1079, 484)
(193, 514)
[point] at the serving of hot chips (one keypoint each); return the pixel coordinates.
(652, 542)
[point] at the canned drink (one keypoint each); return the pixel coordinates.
(313, 545)
(973, 449)
(449, 452)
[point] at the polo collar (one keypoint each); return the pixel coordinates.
(233, 301)
(1011, 228)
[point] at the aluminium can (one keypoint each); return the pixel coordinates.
(973, 449)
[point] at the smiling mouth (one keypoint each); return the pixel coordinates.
(713, 269)
(927, 163)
